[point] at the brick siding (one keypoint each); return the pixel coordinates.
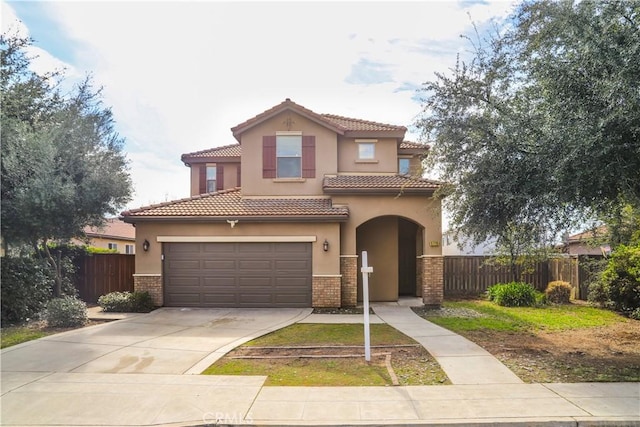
(151, 283)
(432, 280)
(326, 291)
(349, 271)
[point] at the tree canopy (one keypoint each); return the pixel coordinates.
(540, 129)
(63, 167)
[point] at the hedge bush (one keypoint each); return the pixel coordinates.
(65, 312)
(619, 284)
(26, 288)
(558, 292)
(126, 302)
(513, 294)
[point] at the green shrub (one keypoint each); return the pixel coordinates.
(513, 294)
(126, 302)
(26, 288)
(635, 314)
(619, 284)
(558, 292)
(65, 312)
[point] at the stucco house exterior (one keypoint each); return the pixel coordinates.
(280, 218)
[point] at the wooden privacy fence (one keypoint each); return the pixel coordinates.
(99, 274)
(472, 275)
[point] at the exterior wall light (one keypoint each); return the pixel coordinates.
(325, 245)
(145, 245)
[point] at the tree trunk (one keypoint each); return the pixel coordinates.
(56, 267)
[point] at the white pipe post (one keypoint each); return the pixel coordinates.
(365, 300)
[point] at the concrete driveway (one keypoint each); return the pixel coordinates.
(165, 341)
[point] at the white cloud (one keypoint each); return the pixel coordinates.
(179, 75)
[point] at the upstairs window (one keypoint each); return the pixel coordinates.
(289, 156)
(404, 166)
(366, 151)
(113, 246)
(129, 249)
(211, 179)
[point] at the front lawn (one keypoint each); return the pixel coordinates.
(321, 355)
(13, 335)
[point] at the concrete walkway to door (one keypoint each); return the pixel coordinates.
(463, 361)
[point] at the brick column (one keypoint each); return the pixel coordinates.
(349, 271)
(151, 283)
(326, 291)
(432, 280)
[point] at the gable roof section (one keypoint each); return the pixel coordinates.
(340, 125)
(357, 184)
(230, 204)
(227, 152)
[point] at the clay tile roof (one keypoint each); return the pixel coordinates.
(230, 204)
(338, 123)
(231, 150)
(378, 183)
(113, 228)
(351, 124)
(408, 145)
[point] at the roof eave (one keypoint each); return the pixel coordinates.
(381, 191)
(308, 114)
(239, 218)
(210, 159)
(398, 134)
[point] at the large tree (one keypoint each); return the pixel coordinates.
(63, 167)
(540, 129)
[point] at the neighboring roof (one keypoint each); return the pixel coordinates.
(598, 232)
(408, 147)
(230, 204)
(114, 228)
(378, 184)
(339, 124)
(228, 152)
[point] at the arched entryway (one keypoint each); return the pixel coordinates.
(392, 244)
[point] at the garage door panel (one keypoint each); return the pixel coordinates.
(220, 264)
(184, 264)
(238, 274)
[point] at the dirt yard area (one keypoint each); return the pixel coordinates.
(607, 353)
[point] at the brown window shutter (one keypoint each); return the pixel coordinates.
(238, 179)
(219, 177)
(308, 156)
(269, 156)
(202, 188)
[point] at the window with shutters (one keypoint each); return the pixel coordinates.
(211, 179)
(289, 156)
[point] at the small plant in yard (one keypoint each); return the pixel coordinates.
(126, 302)
(65, 312)
(558, 292)
(513, 294)
(619, 284)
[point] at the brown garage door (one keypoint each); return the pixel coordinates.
(237, 274)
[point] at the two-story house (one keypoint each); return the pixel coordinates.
(280, 218)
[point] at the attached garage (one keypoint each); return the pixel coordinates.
(237, 274)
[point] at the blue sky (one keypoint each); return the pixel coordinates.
(178, 75)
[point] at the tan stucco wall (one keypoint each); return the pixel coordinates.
(386, 156)
(326, 157)
(324, 263)
(422, 210)
(379, 237)
(195, 178)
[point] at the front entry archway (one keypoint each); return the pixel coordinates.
(392, 244)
